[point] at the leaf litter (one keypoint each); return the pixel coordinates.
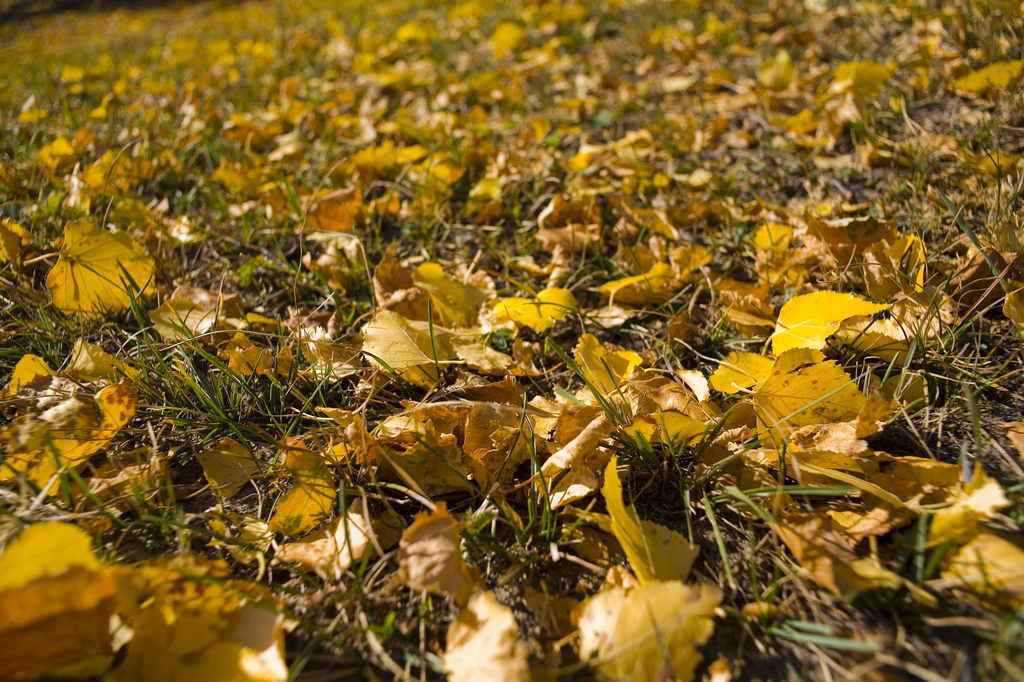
(542, 340)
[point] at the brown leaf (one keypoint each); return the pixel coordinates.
(430, 557)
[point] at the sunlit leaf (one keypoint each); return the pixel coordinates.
(806, 321)
(98, 270)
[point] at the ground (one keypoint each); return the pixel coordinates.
(271, 266)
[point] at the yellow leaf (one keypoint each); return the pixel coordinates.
(885, 339)
(865, 78)
(457, 302)
(91, 363)
(407, 347)
(778, 73)
(803, 389)
(1004, 74)
(771, 237)
(331, 551)
(228, 467)
(90, 276)
(654, 286)
(484, 644)
(191, 623)
(739, 371)
(28, 369)
(57, 157)
(44, 550)
(251, 541)
(56, 601)
(655, 552)
(539, 313)
(12, 238)
(179, 319)
(481, 357)
(991, 568)
(604, 368)
(66, 434)
(507, 37)
(1013, 308)
(312, 495)
(649, 632)
(430, 556)
(806, 321)
(978, 501)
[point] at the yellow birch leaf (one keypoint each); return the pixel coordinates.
(484, 644)
(91, 363)
(604, 368)
(12, 237)
(312, 495)
(481, 357)
(802, 389)
(991, 568)
(180, 319)
(507, 37)
(655, 552)
(539, 313)
(806, 321)
(346, 539)
(56, 601)
(778, 73)
(978, 501)
(407, 347)
(66, 434)
(1004, 74)
(865, 78)
(28, 369)
(90, 275)
(456, 302)
(771, 237)
(228, 467)
(1013, 308)
(656, 285)
(45, 549)
(430, 556)
(648, 632)
(57, 157)
(739, 371)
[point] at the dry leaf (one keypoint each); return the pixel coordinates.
(430, 556)
(484, 644)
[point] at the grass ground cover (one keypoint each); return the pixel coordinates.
(626, 340)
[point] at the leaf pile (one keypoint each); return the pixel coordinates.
(617, 340)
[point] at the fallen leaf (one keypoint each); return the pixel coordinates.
(430, 557)
(457, 302)
(228, 467)
(56, 602)
(649, 632)
(991, 568)
(312, 495)
(803, 389)
(98, 271)
(407, 347)
(483, 643)
(603, 367)
(806, 321)
(539, 313)
(654, 286)
(347, 539)
(741, 371)
(29, 369)
(1003, 74)
(655, 552)
(91, 363)
(978, 501)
